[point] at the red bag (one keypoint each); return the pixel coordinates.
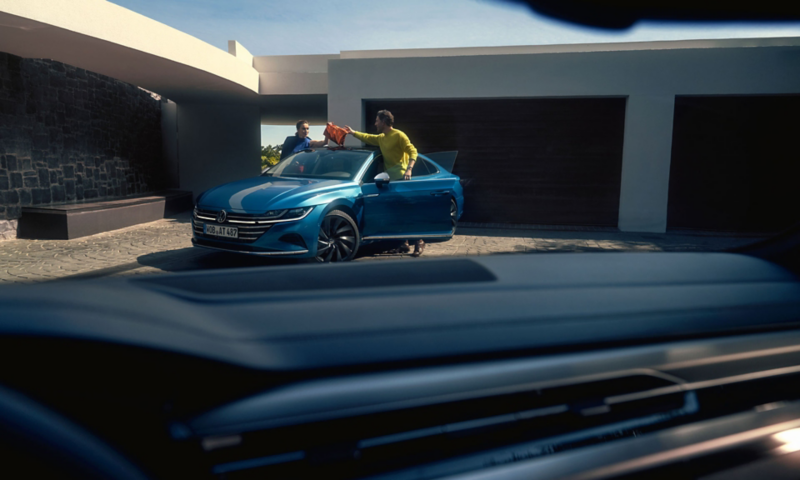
(337, 134)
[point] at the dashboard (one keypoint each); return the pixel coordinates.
(616, 365)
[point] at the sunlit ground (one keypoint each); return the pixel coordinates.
(165, 246)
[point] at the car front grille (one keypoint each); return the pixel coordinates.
(250, 226)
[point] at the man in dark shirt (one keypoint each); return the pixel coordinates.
(300, 141)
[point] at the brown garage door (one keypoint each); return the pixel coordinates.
(735, 163)
(529, 161)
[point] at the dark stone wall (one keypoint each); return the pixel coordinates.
(67, 134)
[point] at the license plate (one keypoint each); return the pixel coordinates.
(220, 231)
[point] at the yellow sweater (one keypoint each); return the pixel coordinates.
(397, 150)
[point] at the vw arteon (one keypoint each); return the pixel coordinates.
(324, 203)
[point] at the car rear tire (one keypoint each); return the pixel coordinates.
(338, 239)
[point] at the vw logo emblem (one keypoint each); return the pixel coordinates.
(222, 216)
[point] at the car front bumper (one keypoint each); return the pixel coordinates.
(296, 239)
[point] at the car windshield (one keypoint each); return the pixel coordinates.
(571, 231)
(574, 130)
(323, 163)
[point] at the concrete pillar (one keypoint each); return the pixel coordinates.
(217, 144)
(169, 143)
(647, 150)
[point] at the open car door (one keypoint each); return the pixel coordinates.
(446, 160)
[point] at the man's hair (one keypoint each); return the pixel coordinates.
(386, 117)
(300, 124)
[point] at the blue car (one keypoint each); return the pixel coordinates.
(324, 203)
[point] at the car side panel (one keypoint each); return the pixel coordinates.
(404, 207)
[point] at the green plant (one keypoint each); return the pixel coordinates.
(270, 155)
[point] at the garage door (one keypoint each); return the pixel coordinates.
(735, 163)
(528, 161)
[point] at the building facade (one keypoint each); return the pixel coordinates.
(644, 137)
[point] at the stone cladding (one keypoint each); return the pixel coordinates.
(67, 134)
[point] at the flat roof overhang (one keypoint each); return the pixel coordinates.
(105, 38)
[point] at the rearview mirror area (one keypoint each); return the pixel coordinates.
(382, 179)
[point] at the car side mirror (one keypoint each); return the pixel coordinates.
(382, 179)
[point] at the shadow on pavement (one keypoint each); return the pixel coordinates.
(377, 248)
(193, 258)
(183, 260)
(182, 217)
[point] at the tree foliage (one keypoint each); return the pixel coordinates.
(270, 155)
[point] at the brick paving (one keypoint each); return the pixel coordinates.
(165, 246)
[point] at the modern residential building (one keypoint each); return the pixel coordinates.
(641, 136)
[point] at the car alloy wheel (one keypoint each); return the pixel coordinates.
(338, 238)
(453, 215)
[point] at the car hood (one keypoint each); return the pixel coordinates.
(257, 194)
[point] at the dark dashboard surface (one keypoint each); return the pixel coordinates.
(263, 318)
(506, 366)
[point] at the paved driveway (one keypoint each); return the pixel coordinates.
(165, 246)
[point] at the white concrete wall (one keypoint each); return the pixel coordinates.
(105, 38)
(293, 74)
(217, 144)
(293, 87)
(646, 155)
(242, 54)
(572, 48)
(650, 78)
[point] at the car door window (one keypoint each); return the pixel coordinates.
(422, 168)
(374, 169)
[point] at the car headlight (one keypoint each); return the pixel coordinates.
(297, 212)
(275, 214)
(288, 214)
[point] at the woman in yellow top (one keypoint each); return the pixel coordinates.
(398, 152)
(399, 156)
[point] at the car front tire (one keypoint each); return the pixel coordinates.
(338, 239)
